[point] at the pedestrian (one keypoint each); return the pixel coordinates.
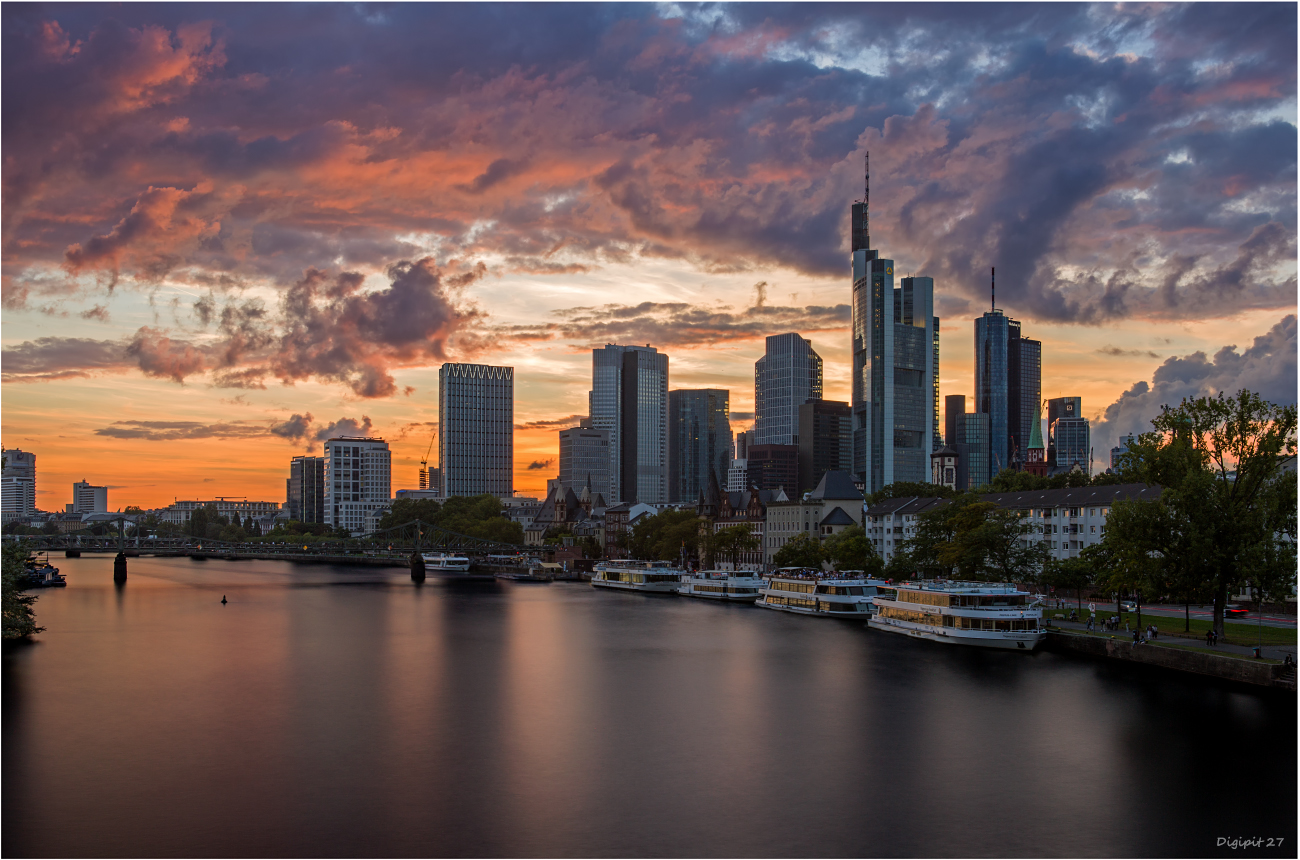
(1208, 635)
(1136, 638)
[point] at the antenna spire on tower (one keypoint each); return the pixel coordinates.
(993, 286)
(866, 201)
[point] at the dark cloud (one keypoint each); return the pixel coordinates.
(158, 355)
(552, 423)
(742, 416)
(497, 171)
(1118, 352)
(301, 428)
(62, 358)
(1267, 367)
(169, 431)
(539, 465)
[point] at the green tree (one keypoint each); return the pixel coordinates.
(407, 510)
(1068, 574)
(975, 540)
(664, 536)
(802, 550)
(1219, 460)
(19, 617)
(727, 544)
(851, 549)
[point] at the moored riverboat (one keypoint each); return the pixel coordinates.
(813, 592)
(728, 586)
(647, 577)
(983, 614)
(452, 567)
(39, 573)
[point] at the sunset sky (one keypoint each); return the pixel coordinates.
(231, 230)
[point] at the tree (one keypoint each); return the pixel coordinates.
(1219, 460)
(975, 540)
(802, 550)
(1068, 574)
(406, 510)
(664, 536)
(851, 549)
(730, 542)
(199, 522)
(19, 617)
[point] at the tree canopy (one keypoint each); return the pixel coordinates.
(802, 550)
(663, 536)
(970, 539)
(479, 516)
(19, 618)
(850, 549)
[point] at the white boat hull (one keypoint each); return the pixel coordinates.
(725, 598)
(859, 615)
(1012, 640)
(643, 587)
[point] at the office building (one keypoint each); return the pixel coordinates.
(178, 513)
(629, 398)
(584, 460)
(895, 377)
(737, 476)
(87, 499)
(19, 475)
(358, 480)
(825, 441)
(788, 375)
(1125, 442)
(744, 439)
(476, 429)
(773, 467)
(967, 433)
(1008, 386)
(1069, 439)
(699, 440)
(305, 489)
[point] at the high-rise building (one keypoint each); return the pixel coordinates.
(1069, 442)
(744, 439)
(1125, 442)
(358, 480)
(19, 475)
(773, 467)
(937, 442)
(788, 375)
(88, 499)
(305, 489)
(1008, 386)
(825, 441)
(476, 429)
(967, 433)
(894, 375)
(584, 458)
(629, 397)
(699, 440)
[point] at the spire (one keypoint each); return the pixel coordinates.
(1036, 431)
(993, 286)
(866, 201)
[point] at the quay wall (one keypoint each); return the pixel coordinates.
(1243, 671)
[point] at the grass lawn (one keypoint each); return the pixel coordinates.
(1234, 633)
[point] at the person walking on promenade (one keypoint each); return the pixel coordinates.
(1209, 634)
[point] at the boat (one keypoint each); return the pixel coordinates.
(838, 594)
(647, 577)
(984, 614)
(729, 586)
(538, 571)
(39, 573)
(451, 567)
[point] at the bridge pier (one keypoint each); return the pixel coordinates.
(417, 567)
(72, 553)
(119, 568)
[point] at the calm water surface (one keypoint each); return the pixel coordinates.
(341, 711)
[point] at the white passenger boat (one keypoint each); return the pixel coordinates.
(812, 592)
(729, 586)
(442, 562)
(648, 577)
(989, 615)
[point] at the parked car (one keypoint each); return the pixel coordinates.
(1234, 610)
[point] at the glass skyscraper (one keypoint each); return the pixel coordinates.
(788, 375)
(1008, 384)
(699, 440)
(476, 429)
(629, 397)
(584, 456)
(1068, 436)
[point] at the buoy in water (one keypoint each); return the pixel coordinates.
(119, 568)
(223, 600)
(417, 568)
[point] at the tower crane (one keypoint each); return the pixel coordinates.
(424, 465)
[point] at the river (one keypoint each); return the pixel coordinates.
(331, 711)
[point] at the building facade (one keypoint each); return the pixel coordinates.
(967, 433)
(788, 375)
(305, 489)
(895, 377)
(584, 459)
(476, 429)
(1008, 387)
(1069, 438)
(19, 481)
(629, 398)
(88, 499)
(1120, 450)
(178, 513)
(358, 480)
(773, 467)
(834, 505)
(825, 441)
(699, 440)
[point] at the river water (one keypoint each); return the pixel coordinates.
(331, 711)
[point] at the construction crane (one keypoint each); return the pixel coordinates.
(424, 465)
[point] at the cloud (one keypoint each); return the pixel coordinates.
(170, 431)
(303, 428)
(498, 171)
(742, 416)
(552, 423)
(1117, 352)
(158, 355)
(62, 358)
(539, 465)
(1267, 367)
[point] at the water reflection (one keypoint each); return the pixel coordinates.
(340, 712)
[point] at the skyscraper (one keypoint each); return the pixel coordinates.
(788, 375)
(89, 499)
(629, 397)
(825, 441)
(476, 429)
(358, 480)
(19, 484)
(1068, 436)
(894, 373)
(584, 457)
(305, 489)
(967, 433)
(1008, 382)
(699, 440)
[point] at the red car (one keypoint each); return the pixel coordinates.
(1233, 610)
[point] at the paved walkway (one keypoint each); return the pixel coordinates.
(1272, 652)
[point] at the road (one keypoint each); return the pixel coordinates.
(1202, 612)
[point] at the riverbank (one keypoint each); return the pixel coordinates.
(1182, 658)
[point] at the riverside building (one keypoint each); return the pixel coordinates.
(476, 429)
(629, 398)
(358, 481)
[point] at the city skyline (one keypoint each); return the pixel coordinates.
(209, 258)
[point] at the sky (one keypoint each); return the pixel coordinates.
(231, 231)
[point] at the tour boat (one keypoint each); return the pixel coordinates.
(989, 615)
(443, 562)
(842, 594)
(648, 577)
(727, 585)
